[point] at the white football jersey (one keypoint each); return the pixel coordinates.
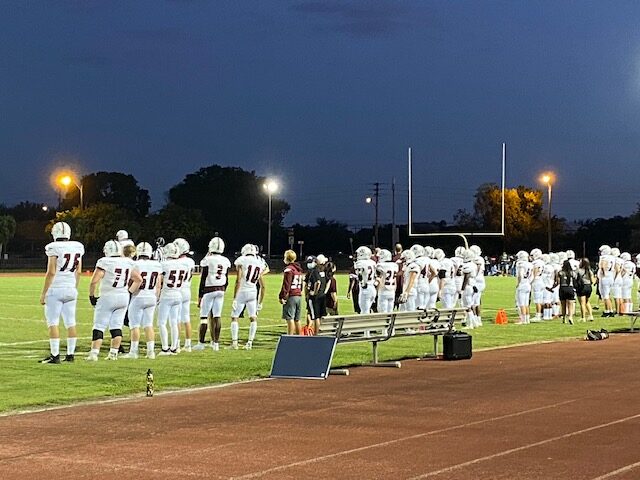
(538, 266)
(68, 253)
(388, 271)
(150, 271)
(189, 266)
(413, 267)
(366, 271)
(628, 269)
(575, 264)
(471, 271)
(252, 269)
(606, 264)
(548, 275)
(423, 263)
(174, 273)
(449, 268)
(524, 272)
(217, 267)
(117, 271)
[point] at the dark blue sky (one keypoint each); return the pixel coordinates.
(327, 96)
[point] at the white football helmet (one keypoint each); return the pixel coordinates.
(468, 255)
(216, 245)
(363, 253)
(476, 249)
(248, 249)
(438, 254)
(418, 250)
(408, 256)
(170, 250)
(60, 231)
(615, 251)
(554, 259)
(183, 246)
(522, 256)
(144, 249)
(626, 256)
(321, 259)
(562, 256)
(571, 255)
(122, 235)
(428, 251)
(536, 254)
(545, 258)
(459, 251)
(112, 249)
(605, 250)
(384, 256)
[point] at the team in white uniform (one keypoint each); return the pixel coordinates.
(60, 291)
(365, 268)
(386, 273)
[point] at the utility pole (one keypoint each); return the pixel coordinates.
(375, 224)
(394, 234)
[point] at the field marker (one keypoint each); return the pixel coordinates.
(616, 472)
(524, 447)
(398, 440)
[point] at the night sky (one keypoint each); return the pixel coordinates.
(327, 96)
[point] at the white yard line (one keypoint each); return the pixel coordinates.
(615, 473)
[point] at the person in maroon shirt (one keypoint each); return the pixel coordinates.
(290, 292)
(332, 290)
(354, 289)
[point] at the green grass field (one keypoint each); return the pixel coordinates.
(23, 341)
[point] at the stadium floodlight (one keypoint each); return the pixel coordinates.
(547, 178)
(271, 187)
(66, 180)
(45, 208)
(463, 235)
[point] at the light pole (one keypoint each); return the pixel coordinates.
(271, 186)
(547, 179)
(66, 181)
(374, 200)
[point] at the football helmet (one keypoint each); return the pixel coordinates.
(476, 249)
(216, 245)
(536, 254)
(61, 231)
(183, 246)
(571, 255)
(144, 249)
(626, 256)
(248, 249)
(122, 235)
(562, 256)
(428, 251)
(418, 250)
(605, 250)
(522, 256)
(112, 249)
(170, 250)
(459, 251)
(384, 256)
(438, 254)
(468, 255)
(363, 253)
(408, 256)
(321, 259)
(554, 259)
(545, 258)
(615, 251)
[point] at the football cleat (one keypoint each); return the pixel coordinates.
(69, 358)
(215, 346)
(247, 346)
(198, 347)
(51, 359)
(151, 355)
(233, 346)
(187, 348)
(92, 357)
(130, 355)
(165, 353)
(111, 356)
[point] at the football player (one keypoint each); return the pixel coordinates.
(628, 272)
(60, 291)
(548, 276)
(174, 272)
(459, 276)
(446, 273)
(365, 269)
(434, 281)
(537, 284)
(318, 293)
(213, 283)
(524, 276)
(143, 303)
(616, 289)
(291, 292)
(410, 272)
(469, 288)
(250, 270)
(386, 271)
(184, 250)
(118, 280)
(480, 284)
(422, 282)
(606, 266)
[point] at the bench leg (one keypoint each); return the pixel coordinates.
(339, 371)
(376, 363)
(434, 355)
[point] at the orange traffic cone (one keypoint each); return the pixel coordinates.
(501, 317)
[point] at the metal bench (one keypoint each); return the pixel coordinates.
(380, 327)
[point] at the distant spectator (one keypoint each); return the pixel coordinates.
(332, 289)
(584, 284)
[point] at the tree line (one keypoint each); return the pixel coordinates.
(231, 202)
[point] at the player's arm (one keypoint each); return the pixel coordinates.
(135, 281)
(98, 274)
(78, 272)
(262, 289)
(287, 280)
(203, 280)
(52, 266)
(236, 287)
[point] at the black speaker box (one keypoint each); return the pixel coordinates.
(456, 346)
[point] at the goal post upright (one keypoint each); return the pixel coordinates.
(463, 235)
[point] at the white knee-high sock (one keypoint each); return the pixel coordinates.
(253, 328)
(175, 336)
(235, 328)
(164, 336)
(54, 346)
(71, 345)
